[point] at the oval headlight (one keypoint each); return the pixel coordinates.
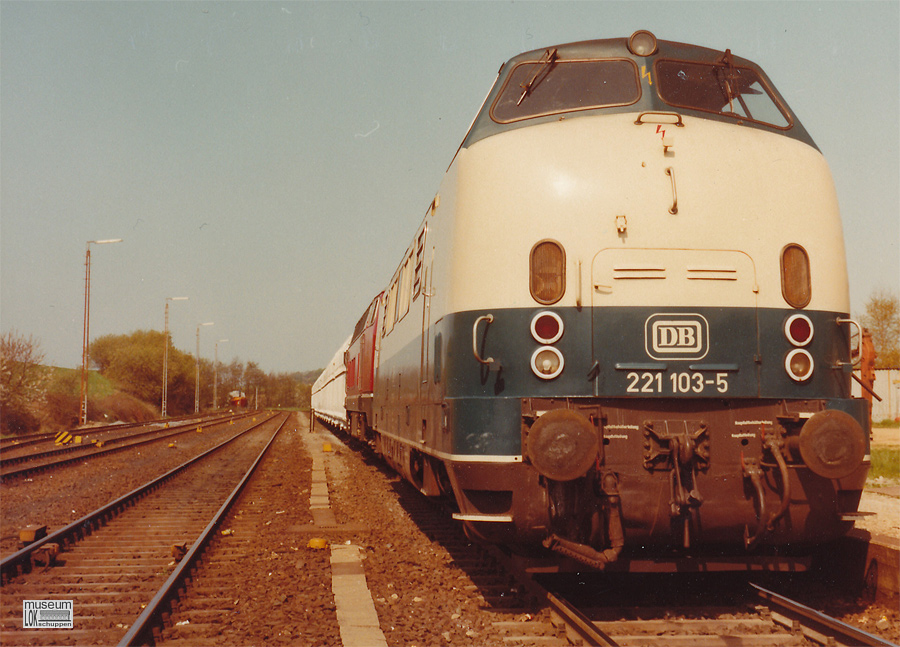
(547, 272)
(795, 280)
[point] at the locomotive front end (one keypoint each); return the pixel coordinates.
(644, 343)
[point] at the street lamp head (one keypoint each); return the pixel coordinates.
(105, 241)
(208, 323)
(176, 298)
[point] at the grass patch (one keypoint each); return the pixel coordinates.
(886, 424)
(885, 463)
(68, 381)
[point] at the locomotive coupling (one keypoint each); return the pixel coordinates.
(682, 448)
(614, 532)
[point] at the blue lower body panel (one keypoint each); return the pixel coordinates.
(667, 428)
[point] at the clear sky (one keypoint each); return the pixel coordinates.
(271, 161)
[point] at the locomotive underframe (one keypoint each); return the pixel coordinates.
(667, 477)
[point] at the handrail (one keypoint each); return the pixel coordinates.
(678, 121)
(674, 208)
(841, 320)
(489, 318)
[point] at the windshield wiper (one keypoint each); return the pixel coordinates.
(547, 60)
(734, 86)
(728, 73)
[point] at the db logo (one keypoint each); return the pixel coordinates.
(676, 336)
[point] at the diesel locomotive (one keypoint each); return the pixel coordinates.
(622, 328)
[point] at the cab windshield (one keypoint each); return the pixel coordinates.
(551, 86)
(721, 88)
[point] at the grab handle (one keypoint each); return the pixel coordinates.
(674, 208)
(660, 118)
(853, 322)
(489, 318)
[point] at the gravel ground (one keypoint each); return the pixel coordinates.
(259, 584)
(421, 596)
(883, 497)
(886, 520)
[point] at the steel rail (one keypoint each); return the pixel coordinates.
(576, 621)
(141, 630)
(15, 460)
(8, 443)
(20, 561)
(13, 442)
(573, 619)
(848, 634)
(157, 435)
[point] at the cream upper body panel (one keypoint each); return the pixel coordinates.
(605, 187)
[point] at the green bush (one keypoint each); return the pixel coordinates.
(885, 463)
(19, 421)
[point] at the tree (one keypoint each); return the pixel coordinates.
(882, 318)
(255, 379)
(135, 363)
(23, 383)
(231, 376)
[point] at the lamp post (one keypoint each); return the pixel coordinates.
(165, 389)
(216, 375)
(85, 344)
(197, 388)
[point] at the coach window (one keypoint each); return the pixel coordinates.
(420, 258)
(405, 288)
(390, 309)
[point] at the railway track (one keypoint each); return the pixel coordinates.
(36, 462)
(261, 568)
(121, 564)
(11, 444)
(772, 620)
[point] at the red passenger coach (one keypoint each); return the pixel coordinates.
(360, 362)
